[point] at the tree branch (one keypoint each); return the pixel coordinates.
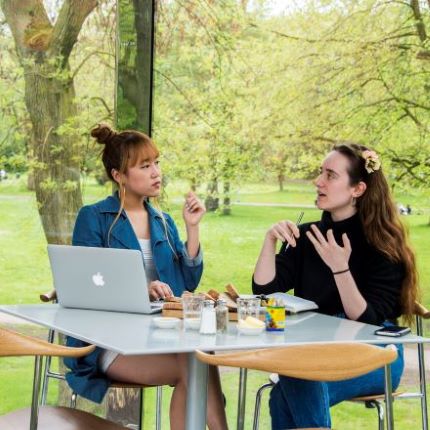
(419, 24)
(30, 25)
(72, 15)
(76, 71)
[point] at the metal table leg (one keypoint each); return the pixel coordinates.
(197, 393)
(389, 398)
(241, 399)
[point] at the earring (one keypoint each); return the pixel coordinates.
(354, 201)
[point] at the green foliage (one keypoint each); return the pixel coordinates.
(92, 70)
(244, 93)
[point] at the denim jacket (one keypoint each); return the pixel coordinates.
(176, 269)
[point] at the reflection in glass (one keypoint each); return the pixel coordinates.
(134, 64)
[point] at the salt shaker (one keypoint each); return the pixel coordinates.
(221, 316)
(208, 321)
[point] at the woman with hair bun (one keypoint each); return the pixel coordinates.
(130, 219)
(355, 263)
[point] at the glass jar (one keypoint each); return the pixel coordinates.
(221, 316)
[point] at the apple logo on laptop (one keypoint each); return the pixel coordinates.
(98, 279)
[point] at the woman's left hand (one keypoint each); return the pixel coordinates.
(336, 257)
(193, 210)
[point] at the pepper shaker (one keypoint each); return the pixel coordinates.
(221, 316)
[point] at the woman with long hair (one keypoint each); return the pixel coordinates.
(355, 263)
(131, 219)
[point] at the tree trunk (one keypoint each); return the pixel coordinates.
(50, 103)
(281, 179)
(226, 207)
(212, 200)
(44, 50)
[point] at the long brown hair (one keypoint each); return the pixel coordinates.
(122, 150)
(381, 221)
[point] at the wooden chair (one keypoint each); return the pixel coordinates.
(48, 373)
(321, 362)
(376, 401)
(46, 417)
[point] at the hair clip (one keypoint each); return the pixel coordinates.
(371, 161)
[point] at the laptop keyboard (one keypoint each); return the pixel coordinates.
(157, 305)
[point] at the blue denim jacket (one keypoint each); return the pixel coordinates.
(177, 270)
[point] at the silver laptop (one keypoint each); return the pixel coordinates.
(100, 278)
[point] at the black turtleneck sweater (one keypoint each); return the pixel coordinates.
(378, 278)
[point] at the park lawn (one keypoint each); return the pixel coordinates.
(345, 416)
(233, 240)
(231, 245)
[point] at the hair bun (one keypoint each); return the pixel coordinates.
(103, 133)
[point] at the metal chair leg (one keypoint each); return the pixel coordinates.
(34, 415)
(257, 407)
(73, 400)
(159, 407)
(422, 373)
(379, 409)
(47, 368)
(389, 398)
(141, 403)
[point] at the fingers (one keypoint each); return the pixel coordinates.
(322, 240)
(285, 231)
(278, 233)
(193, 204)
(335, 256)
(346, 242)
(159, 290)
(330, 237)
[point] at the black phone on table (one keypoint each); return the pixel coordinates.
(392, 331)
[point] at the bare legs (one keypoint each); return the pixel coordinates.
(171, 369)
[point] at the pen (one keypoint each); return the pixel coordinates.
(299, 219)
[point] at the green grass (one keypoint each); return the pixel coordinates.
(231, 246)
(345, 416)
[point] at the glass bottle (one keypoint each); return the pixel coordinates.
(221, 316)
(208, 321)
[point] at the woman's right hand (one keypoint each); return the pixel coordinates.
(159, 290)
(285, 231)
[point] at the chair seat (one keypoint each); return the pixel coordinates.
(373, 397)
(119, 384)
(56, 418)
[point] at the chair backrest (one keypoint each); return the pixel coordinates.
(17, 344)
(50, 296)
(421, 311)
(322, 362)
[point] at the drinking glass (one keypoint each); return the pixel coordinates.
(192, 307)
(248, 307)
